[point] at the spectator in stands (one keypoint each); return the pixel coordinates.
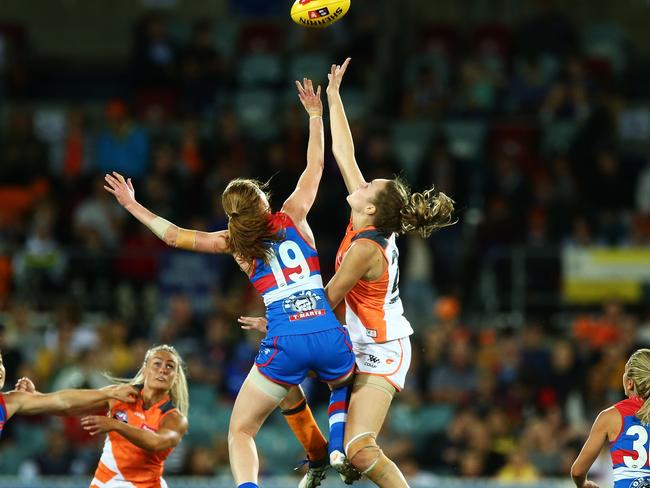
(154, 55)
(201, 68)
(122, 145)
(456, 379)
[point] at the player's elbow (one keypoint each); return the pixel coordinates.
(578, 471)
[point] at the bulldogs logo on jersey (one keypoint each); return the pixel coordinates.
(303, 305)
(640, 483)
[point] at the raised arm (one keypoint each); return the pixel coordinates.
(65, 401)
(342, 143)
(301, 200)
(592, 447)
(171, 432)
(192, 240)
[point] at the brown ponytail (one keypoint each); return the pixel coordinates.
(249, 227)
(399, 210)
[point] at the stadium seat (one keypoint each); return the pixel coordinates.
(606, 40)
(439, 39)
(260, 38)
(280, 448)
(225, 38)
(409, 142)
(202, 397)
(356, 102)
(437, 63)
(256, 111)
(260, 69)
(558, 136)
(465, 138)
(312, 65)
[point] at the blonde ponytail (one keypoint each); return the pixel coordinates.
(639, 372)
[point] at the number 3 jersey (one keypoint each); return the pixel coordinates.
(630, 449)
(373, 309)
(291, 284)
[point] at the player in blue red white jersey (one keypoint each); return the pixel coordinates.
(276, 251)
(65, 401)
(626, 428)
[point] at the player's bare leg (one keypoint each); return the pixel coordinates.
(369, 405)
(251, 409)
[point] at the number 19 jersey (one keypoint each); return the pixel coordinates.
(373, 309)
(630, 449)
(291, 284)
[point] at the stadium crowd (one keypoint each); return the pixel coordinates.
(536, 137)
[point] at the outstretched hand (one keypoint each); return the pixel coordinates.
(310, 99)
(253, 323)
(335, 76)
(97, 424)
(122, 189)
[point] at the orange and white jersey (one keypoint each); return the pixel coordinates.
(374, 311)
(125, 465)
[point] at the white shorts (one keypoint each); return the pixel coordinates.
(390, 359)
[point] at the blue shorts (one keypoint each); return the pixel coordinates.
(288, 359)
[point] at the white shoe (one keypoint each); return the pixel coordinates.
(344, 467)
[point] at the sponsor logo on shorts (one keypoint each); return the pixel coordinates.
(372, 361)
(317, 14)
(303, 305)
(640, 483)
(121, 416)
(371, 332)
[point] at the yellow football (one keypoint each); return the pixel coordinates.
(318, 13)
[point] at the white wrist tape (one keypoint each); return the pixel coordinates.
(159, 226)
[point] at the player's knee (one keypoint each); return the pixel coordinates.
(363, 452)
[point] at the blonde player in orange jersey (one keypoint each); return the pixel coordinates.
(367, 279)
(141, 435)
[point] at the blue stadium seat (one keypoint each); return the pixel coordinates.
(355, 101)
(256, 111)
(410, 141)
(466, 138)
(606, 40)
(558, 135)
(260, 69)
(313, 66)
(438, 64)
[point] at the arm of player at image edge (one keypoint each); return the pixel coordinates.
(592, 447)
(342, 142)
(301, 200)
(65, 401)
(171, 234)
(172, 429)
(27, 385)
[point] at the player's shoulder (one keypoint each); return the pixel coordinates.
(627, 407)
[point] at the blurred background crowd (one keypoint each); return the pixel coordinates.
(533, 117)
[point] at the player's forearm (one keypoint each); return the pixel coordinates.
(144, 439)
(63, 401)
(316, 144)
(343, 144)
(166, 231)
